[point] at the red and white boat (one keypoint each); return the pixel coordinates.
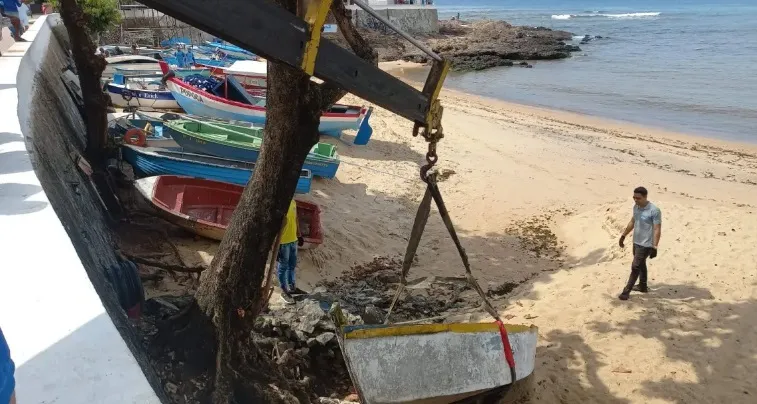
(204, 207)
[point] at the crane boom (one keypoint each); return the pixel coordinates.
(268, 30)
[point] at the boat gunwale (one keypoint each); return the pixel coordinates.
(156, 152)
(213, 97)
(178, 125)
(379, 331)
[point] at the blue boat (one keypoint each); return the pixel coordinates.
(150, 161)
(242, 143)
(231, 50)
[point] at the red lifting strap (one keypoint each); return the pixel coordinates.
(508, 348)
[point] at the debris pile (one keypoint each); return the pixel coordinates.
(301, 338)
(368, 289)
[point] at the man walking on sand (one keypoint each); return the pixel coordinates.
(287, 258)
(646, 224)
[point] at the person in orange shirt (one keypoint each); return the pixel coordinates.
(287, 257)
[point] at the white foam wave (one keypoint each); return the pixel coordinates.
(633, 15)
(596, 15)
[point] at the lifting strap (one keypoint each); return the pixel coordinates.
(421, 218)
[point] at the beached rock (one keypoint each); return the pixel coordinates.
(497, 43)
(473, 46)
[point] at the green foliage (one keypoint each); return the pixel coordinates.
(102, 15)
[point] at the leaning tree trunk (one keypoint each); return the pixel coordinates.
(90, 68)
(231, 285)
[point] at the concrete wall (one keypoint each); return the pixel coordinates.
(419, 20)
(71, 341)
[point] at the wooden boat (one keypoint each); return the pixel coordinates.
(153, 127)
(252, 74)
(158, 73)
(433, 363)
(205, 207)
(231, 50)
(231, 101)
(150, 161)
(126, 92)
(128, 62)
(242, 143)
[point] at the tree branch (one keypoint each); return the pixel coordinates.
(329, 92)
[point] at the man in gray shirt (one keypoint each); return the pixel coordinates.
(646, 224)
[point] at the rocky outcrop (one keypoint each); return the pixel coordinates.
(485, 44)
(474, 46)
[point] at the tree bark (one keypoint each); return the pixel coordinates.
(231, 287)
(89, 67)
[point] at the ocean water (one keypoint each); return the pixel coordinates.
(682, 65)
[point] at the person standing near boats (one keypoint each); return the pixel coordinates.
(646, 224)
(287, 256)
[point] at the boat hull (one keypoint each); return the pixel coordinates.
(201, 103)
(120, 96)
(205, 207)
(441, 363)
(146, 163)
(324, 169)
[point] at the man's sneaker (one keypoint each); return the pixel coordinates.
(642, 289)
(297, 291)
(287, 298)
(623, 296)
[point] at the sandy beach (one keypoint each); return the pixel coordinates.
(539, 198)
(518, 175)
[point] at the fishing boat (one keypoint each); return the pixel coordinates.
(251, 74)
(150, 161)
(229, 100)
(139, 92)
(158, 73)
(434, 363)
(231, 50)
(128, 62)
(242, 143)
(205, 207)
(155, 135)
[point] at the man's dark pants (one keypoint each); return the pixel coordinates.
(638, 268)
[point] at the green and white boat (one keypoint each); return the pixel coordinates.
(239, 142)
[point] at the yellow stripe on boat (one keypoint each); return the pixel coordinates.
(402, 330)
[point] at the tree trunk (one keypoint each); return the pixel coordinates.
(90, 68)
(232, 284)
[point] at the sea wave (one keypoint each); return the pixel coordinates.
(597, 15)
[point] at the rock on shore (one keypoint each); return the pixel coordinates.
(474, 46)
(485, 44)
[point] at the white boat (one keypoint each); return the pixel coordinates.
(252, 74)
(140, 93)
(128, 62)
(435, 363)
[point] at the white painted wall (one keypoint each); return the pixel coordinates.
(65, 345)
